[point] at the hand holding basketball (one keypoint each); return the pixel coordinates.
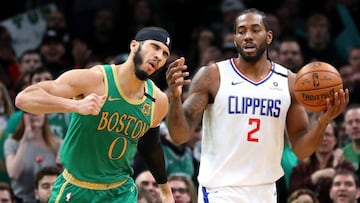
(314, 83)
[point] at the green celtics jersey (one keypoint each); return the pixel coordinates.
(100, 148)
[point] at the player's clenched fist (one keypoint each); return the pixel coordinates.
(91, 104)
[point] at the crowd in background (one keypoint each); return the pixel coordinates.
(80, 34)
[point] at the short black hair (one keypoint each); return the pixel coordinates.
(254, 10)
(344, 171)
(46, 171)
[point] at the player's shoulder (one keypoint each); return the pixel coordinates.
(208, 71)
(280, 68)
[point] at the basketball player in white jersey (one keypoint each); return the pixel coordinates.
(245, 104)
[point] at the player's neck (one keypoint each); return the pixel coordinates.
(130, 85)
(256, 71)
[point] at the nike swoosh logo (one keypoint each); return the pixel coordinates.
(114, 99)
(236, 83)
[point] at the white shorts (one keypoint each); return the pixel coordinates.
(258, 194)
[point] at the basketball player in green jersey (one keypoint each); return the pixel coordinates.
(116, 110)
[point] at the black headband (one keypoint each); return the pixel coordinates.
(154, 33)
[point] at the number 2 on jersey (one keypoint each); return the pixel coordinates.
(251, 133)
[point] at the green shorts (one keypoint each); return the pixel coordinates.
(68, 189)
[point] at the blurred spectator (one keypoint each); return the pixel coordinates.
(348, 77)
(144, 196)
(105, 40)
(32, 147)
(205, 46)
(288, 161)
(194, 145)
(81, 52)
(53, 51)
(178, 158)
(273, 53)
(44, 181)
(319, 46)
(276, 28)
(146, 180)
(352, 128)
(56, 21)
(303, 196)
(6, 193)
(354, 61)
(345, 187)
(317, 172)
(290, 54)
(183, 189)
(290, 19)
(228, 46)
(58, 121)
(142, 15)
(344, 138)
(9, 69)
(6, 109)
(30, 60)
(230, 9)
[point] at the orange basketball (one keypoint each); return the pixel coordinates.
(315, 82)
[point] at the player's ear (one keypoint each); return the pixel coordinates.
(134, 45)
(269, 37)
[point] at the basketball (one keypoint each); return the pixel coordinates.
(315, 82)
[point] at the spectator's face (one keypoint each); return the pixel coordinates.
(53, 51)
(41, 77)
(352, 123)
(343, 189)
(290, 55)
(329, 141)
(354, 59)
(30, 62)
(43, 191)
(5, 196)
(347, 73)
(206, 39)
(318, 32)
(147, 181)
(36, 121)
(56, 20)
(180, 191)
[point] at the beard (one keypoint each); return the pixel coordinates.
(252, 59)
(140, 74)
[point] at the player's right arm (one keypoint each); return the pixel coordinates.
(182, 119)
(57, 95)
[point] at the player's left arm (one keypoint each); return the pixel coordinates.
(300, 132)
(150, 147)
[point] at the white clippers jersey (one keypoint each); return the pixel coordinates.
(243, 130)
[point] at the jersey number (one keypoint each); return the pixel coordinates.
(251, 133)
